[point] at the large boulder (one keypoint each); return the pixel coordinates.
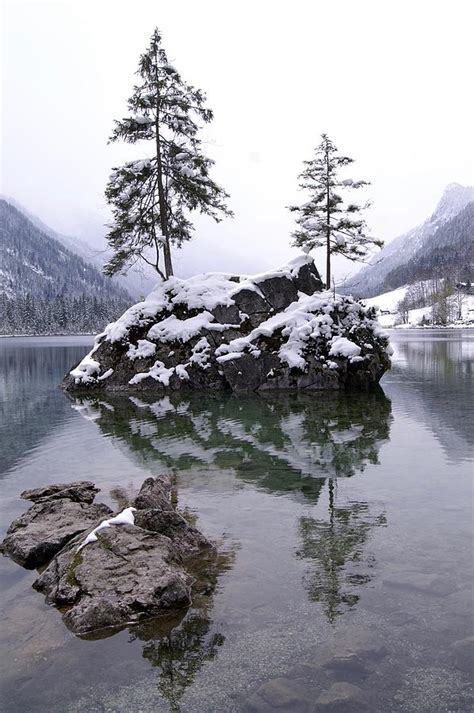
(110, 572)
(43, 530)
(128, 575)
(216, 331)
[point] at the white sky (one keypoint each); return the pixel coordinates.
(389, 81)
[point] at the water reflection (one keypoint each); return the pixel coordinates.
(31, 405)
(437, 392)
(180, 655)
(288, 443)
(335, 547)
(179, 652)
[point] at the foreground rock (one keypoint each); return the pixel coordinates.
(80, 492)
(218, 331)
(43, 530)
(128, 574)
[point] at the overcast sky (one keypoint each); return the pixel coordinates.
(390, 82)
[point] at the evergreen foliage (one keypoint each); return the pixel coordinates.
(152, 198)
(325, 220)
(62, 314)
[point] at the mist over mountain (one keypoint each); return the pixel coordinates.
(449, 253)
(45, 287)
(442, 244)
(138, 281)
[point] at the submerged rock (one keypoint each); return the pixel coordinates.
(127, 572)
(217, 331)
(342, 697)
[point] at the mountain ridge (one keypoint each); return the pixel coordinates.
(371, 280)
(137, 282)
(46, 288)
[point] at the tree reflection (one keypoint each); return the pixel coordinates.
(180, 655)
(336, 548)
(179, 652)
(281, 443)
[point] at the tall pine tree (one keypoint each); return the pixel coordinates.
(152, 198)
(326, 220)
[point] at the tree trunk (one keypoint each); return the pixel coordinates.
(328, 259)
(162, 202)
(328, 227)
(161, 191)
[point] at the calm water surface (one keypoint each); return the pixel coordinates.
(345, 523)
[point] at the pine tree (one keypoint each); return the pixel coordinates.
(325, 220)
(152, 198)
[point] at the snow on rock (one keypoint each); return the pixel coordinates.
(87, 371)
(141, 350)
(126, 517)
(172, 328)
(220, 331)
(158, 372)
(341, 346)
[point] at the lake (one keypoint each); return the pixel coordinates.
(345, 523)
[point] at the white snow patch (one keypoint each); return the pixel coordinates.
(142, 350)
(172, 329)
(341, 346)
(158, 372)
(126, 517)
(105, 375)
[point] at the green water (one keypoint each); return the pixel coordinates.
(344, 521)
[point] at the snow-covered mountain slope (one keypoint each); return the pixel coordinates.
(460, 308)
(137, 282)
(32, 262)
(373, 279)
(388, 301)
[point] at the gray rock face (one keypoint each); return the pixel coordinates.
(156, 513)
(250, 302)
(308, 280)
(80, 492)
(154, 494)
(220, 332)
(128, 574)
(279, 291)
(43, 530)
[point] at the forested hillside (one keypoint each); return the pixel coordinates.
(45, 288)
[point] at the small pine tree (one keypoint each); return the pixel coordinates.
(324, 220)
(151, 198)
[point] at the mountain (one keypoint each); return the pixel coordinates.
(45, 287)
(420, 249)
(139, 281)
(450, 252)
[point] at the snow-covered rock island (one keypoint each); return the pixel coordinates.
(217, 331)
